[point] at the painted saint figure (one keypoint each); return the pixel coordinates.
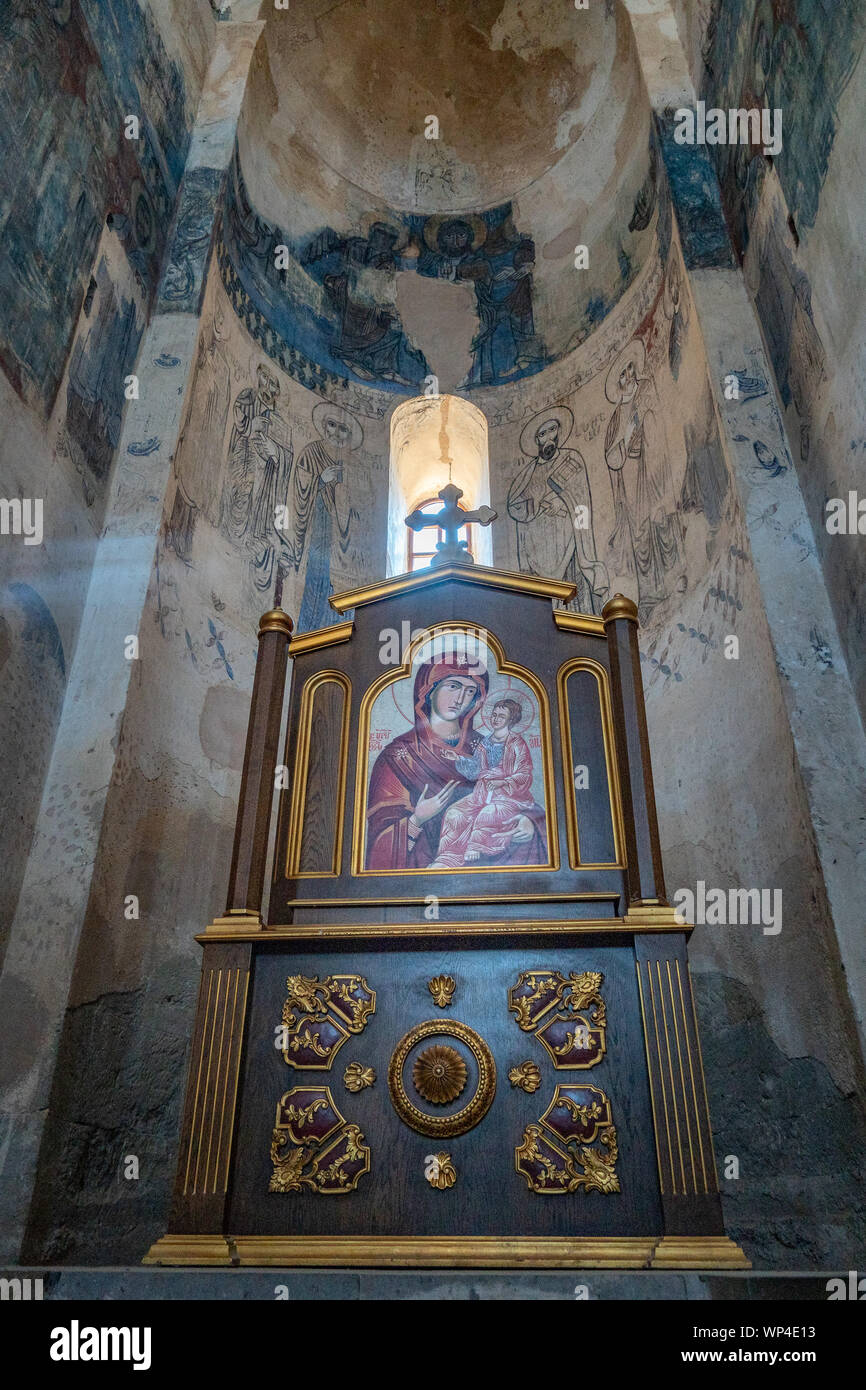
(647, 539)
(551, 503)
(417, 776)
(498, 262)
(320, 510)
(499, 810)
(201, 440)
(252, 412)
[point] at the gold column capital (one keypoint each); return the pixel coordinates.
(275, 620)
(619, 607)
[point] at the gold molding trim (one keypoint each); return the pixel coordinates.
(300, 773)
(455, 1252)
(699, 1252)
(352, 931)
(459, 898)
(452, 1252)
(443, 1126)
(657, 915)
(471, 574)
(403, 672)
(234, 921)
(577, 622)
(321, 637)
(614, 794)
(191, 1250)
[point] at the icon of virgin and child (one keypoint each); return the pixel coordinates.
(445, 795)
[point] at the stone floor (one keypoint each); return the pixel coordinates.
(122, 1283)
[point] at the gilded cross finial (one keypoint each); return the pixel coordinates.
(451, 551)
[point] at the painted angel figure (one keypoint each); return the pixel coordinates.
(499, 812)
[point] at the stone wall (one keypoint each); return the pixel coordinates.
(84, 220)
(797, 226)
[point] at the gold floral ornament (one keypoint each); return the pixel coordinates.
(476, 1107)
(356, 1077)
(442, 988)
(527, 1076)
(439, 1074)
(440, 1171)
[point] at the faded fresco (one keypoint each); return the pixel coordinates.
(341, 312)
(455, 765)
(797, 57)
(71, 71)
(269, 473)
(613, 486)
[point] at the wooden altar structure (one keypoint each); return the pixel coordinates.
(465, 1035)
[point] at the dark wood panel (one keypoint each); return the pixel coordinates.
(592, 804)
(490, 1197)
(322, 791)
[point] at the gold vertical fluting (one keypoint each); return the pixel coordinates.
(662, 1078)
(220, 1043)
(692, 1075)
(682, 1077)
(237, 1071)
(673, 1064)
(197, 1082)
(703, 1078)
(649, 1067)
(673, 1085)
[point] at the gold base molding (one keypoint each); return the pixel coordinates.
(654, 917)
(699, 1252)
(191, 1250)
(236, 925)
(453, 1252)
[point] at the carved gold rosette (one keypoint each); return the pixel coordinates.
(439, 1074)
(482, 1097)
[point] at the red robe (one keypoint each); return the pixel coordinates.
(418, 758)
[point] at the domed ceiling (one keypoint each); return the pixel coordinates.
(412, 181)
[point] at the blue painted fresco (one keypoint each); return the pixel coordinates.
(103, 355)
(797, 56)
(694, 191)
(346, 334)
(182, 286)
(39, 632)
(70, 71)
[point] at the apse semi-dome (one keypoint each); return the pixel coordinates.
(411, 185)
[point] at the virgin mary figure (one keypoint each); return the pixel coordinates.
(415, 778)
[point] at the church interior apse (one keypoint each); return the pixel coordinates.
(271, 279)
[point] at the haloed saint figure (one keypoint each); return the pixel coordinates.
(460, 788)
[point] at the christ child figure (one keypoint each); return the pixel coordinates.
(497, 813)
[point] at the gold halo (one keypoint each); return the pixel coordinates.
(443, 1126)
